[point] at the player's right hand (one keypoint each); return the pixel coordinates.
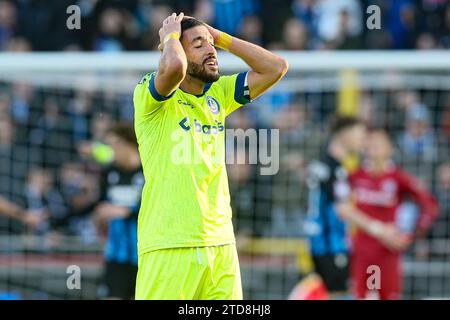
(171, 24)
(394, 239)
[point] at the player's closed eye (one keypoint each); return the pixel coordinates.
(201, 45)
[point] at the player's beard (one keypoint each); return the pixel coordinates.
(200, 72)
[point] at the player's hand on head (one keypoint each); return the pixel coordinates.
(170, 25)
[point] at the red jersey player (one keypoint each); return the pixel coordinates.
(379, 188)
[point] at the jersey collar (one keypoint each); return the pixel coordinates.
(205, 88)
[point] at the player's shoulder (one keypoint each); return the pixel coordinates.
(336, 169)
(397, 171)
(220, 88)
(223, 82)
(143, 83)
(146, 92)
(406, 177)
(146, 78)
(232, 79)
(325, 163)
(227, 77)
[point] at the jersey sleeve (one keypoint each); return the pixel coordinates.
(236, 91)
(146, 99)
(429, 208)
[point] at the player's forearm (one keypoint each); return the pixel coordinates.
(351, 214)
(429, 207)
(173, 61)
(259, 59)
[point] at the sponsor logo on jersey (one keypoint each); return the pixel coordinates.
(202, 128)
(184, 103)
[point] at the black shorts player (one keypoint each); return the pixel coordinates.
(121, 189)
(329, 191)
(328, 184)
(117, 209)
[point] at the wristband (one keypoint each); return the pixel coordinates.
(223, 41)
(173, 35)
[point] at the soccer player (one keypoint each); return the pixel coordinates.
(186, 242)
(379, 187)
(117, 209)
(330, 208)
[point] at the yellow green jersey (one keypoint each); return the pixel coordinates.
(185, 199)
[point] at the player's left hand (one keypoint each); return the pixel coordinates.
(108, 211)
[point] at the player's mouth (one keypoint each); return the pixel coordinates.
(211, 63)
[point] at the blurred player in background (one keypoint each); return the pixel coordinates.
(117, 210)
(186, 240)
(379, 187)
(330, 208)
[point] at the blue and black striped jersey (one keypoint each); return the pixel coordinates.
(328, 184)
(122, 188)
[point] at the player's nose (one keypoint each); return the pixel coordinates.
(210, 49)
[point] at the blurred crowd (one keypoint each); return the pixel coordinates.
(119, 25)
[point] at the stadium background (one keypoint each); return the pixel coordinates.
(47, 114)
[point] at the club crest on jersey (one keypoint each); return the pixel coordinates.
(213, 105)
